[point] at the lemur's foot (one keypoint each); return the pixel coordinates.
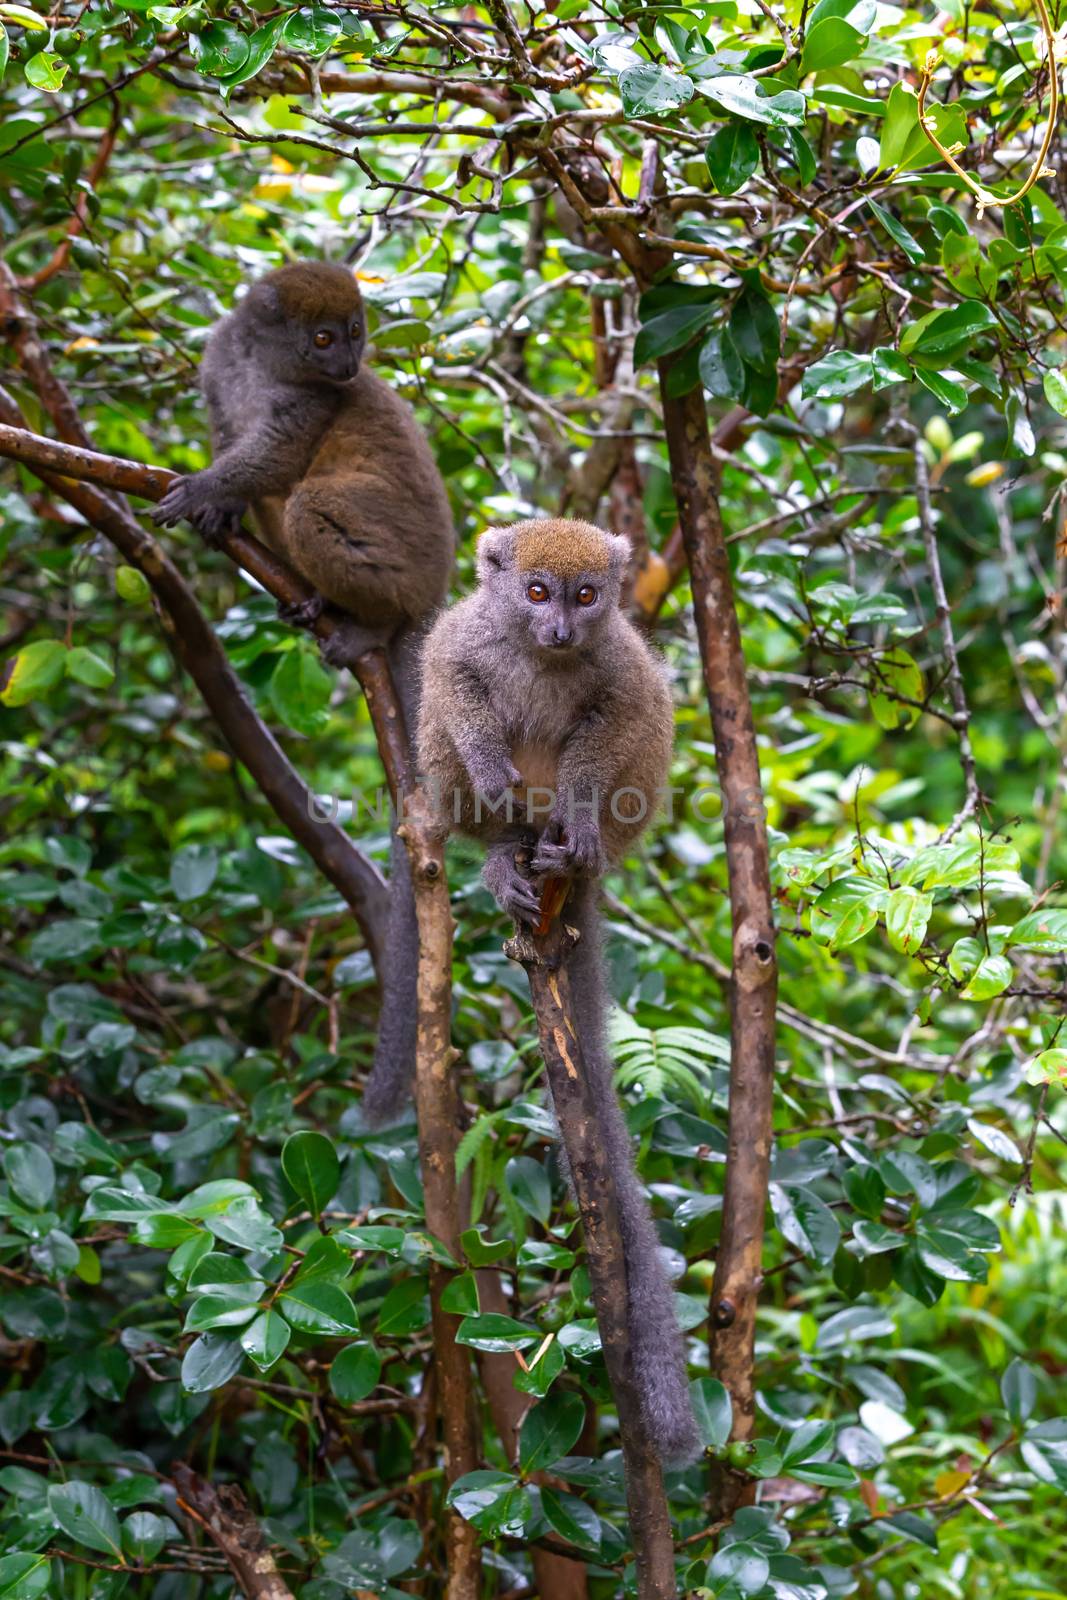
(349, 641)
(302, 613)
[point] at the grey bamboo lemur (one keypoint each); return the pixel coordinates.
(537, 690)
(341, 483)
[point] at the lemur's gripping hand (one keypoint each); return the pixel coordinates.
(194, 500)
(510, 888)
(570, 849)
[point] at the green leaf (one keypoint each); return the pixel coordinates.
(571, 1518)
(84, 1512)
(1054, 384)
(25, 16)
(494, 1502)
(907, 916)
(86, 667)
(405, 1308)
(651, 91)
(320, 1307)
(193, 870)
(550, 1430)
(670, 330)
(1045, 1452)
(713, 1410)
(887, 367)
(732, 155)
(460, 1295)
(528, 1182)
(65, 940)
(722, 371)
(300, 690)
(1043, 931)
(29, 675)
(46, 71)
(496, 1333)
(739, 1569)
(830, 43)
(265, 1340)
(144, 1534)
(743, 97)
(806, 1221)
(844, 912)
(754, 329)
(24, 1576)
(5, 54)
(898, 232)
(30, 1173)
(261, 46)
(219, 49)
(1048, 1067)
(355, 1372)
(953, 396)
(210, 1362)
(992, 977)
(945, 333)
(837, 374)
(896, 673)
(312, 30)
(311, 1165)
(211, 1311)
(1018, 1390)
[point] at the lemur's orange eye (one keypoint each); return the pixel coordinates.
(324, 338)
(354, 330)
(586, 594)
(537, 593)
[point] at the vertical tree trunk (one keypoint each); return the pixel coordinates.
(755, 972)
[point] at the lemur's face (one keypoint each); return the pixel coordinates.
(561, 613)
(554, 582)
(328, 348)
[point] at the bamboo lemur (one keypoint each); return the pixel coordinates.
(537, 684)
(341, 483)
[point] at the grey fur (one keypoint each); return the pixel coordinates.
(556, 693)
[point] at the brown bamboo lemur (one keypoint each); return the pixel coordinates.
(341, 483)
(537, 689)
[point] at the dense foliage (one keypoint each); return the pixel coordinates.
(205, 1255)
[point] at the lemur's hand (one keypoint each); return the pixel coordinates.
(510, 888)
(194, 500)
(570, 848)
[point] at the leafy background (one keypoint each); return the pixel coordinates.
(205, 1256)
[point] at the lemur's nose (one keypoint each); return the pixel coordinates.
(562, 635)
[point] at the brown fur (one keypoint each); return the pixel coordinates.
(565, 548)
(311, 289)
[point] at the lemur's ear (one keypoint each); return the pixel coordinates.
(619, 553)
(263, 296)
(495, 551)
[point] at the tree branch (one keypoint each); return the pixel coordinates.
(755, 971)
(199, 650)
(223, 1514)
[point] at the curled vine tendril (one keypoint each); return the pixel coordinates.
(985, 197)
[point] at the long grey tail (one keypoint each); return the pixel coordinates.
(655, 1338)
(389, 1085)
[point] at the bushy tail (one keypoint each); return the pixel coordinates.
(389, 1084)
(655, 1338)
